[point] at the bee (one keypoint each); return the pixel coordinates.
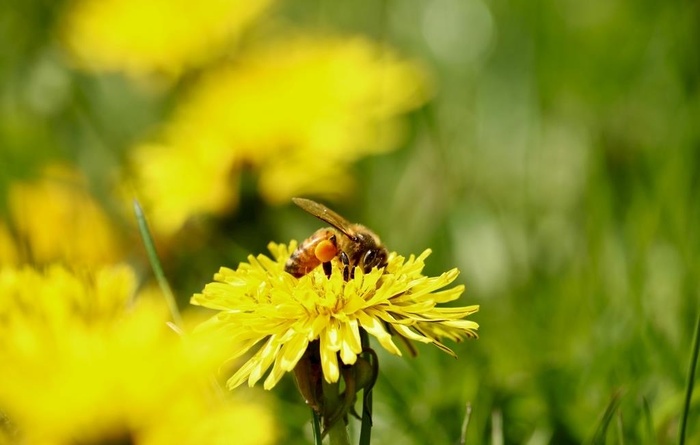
(353, 244)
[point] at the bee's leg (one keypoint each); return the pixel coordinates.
(325, 251)
(346, 265)
(327, 269)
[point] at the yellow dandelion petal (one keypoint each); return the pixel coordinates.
(429, 285)
(410, 334)
(375, 327)
(242, 374)
(458, 312)
(275, 375)
(329, 362)
(267, 357)
(318, 325)
(292, 352)
(351, 346)
(444, 348)
(242, 345)
(330, 338)
(448, 295)
(452, 329)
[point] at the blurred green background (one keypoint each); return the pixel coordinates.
(557, 167)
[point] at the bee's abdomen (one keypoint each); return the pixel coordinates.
(303, 260)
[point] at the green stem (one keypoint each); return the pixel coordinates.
(155, 264)
(338, 434)
(332, 402)
(691, 382)
(366, 428)
(465, 424)
(316, 424)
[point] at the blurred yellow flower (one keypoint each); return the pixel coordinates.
(260, 302)
(298, 112)
(56, 219)
(155, 36)
(84, 363)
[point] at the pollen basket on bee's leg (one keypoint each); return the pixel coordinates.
(325, 251)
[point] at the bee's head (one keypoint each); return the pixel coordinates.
(371, 253)
(374, 257)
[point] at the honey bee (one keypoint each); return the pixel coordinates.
(353, 244)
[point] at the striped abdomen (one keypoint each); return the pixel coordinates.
(304, 259)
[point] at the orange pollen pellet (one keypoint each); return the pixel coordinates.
(325, 251)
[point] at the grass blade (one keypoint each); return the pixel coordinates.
(465, 424)
(620, 429)
(690, 383)
(648, 422)
(602, 428)
(155, 264)
(497, 437)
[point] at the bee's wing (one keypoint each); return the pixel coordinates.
(325, 214)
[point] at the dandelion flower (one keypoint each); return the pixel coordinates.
(88, 364)
(297, 113)
(55, 219)
(156, 36)
(264, 308)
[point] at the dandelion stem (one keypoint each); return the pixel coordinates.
(316, 425)
(691, 382)
(366, 428)
(155, 264)
(335, 426)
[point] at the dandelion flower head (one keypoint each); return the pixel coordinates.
(88, 364)
(55, 218)
(297, 113)
(261, 306)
